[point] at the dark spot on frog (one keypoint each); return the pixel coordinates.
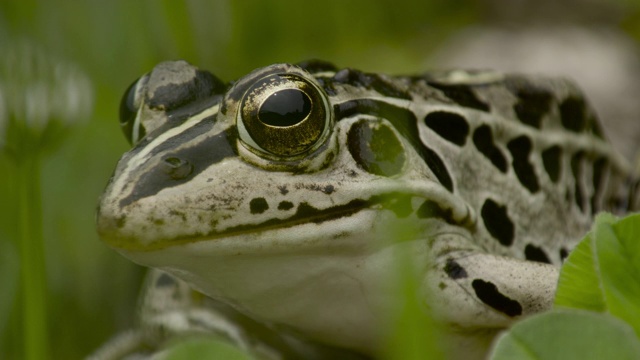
(283, 189)
(573, 114)
(454, 270)
(551, 161)
(535, 253)
(258, 205)
(328, 189)
(497, 222)
(368, 81)
(376, 148)
(442, 286)
(285, 205)
(488, 293)
(158, 221)
(460, 94)
(165, 280)
(520, 149)
(450, 126)
(576, 171)
(483, 140)
(533, 102)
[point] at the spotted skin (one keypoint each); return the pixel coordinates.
(520, 149)
(489, 294)
(483, 140)
(498, 222)
(500, 174)
(551, 161)
(449, 126)
(533, 103)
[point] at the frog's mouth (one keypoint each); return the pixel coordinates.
(305, 213)
(359, 214)
(397, 204)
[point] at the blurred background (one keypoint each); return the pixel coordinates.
(91, 290)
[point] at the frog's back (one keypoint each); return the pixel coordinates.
(526, 152)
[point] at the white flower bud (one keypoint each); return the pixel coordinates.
(37, 88)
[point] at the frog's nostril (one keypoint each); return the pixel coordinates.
(176, 168)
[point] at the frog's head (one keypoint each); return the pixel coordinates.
(284, 163)
(212, 161)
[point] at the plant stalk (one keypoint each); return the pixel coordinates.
(32, 257)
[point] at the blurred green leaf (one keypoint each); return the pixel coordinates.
(413, 335)
(566, 335)
(603, 272)
(205, 349)
(579, 284)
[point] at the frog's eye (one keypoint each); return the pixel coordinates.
(285, 108)
(129, 105)
(284, 115)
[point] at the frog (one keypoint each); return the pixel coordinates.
(279, 194)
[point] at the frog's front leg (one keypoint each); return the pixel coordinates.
(474, 295)
(471, 289)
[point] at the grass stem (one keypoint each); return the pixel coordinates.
(32, 259)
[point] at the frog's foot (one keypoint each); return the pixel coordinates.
(476, 295)
(478, 290)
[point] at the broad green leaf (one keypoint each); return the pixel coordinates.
(603, 272)
(621, 269)
(579, 285)
(568, 334)
(205, 349)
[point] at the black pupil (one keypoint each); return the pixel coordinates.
(127, 107)
(128, 111)
(285, 108)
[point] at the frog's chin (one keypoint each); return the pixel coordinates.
(277, 275)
